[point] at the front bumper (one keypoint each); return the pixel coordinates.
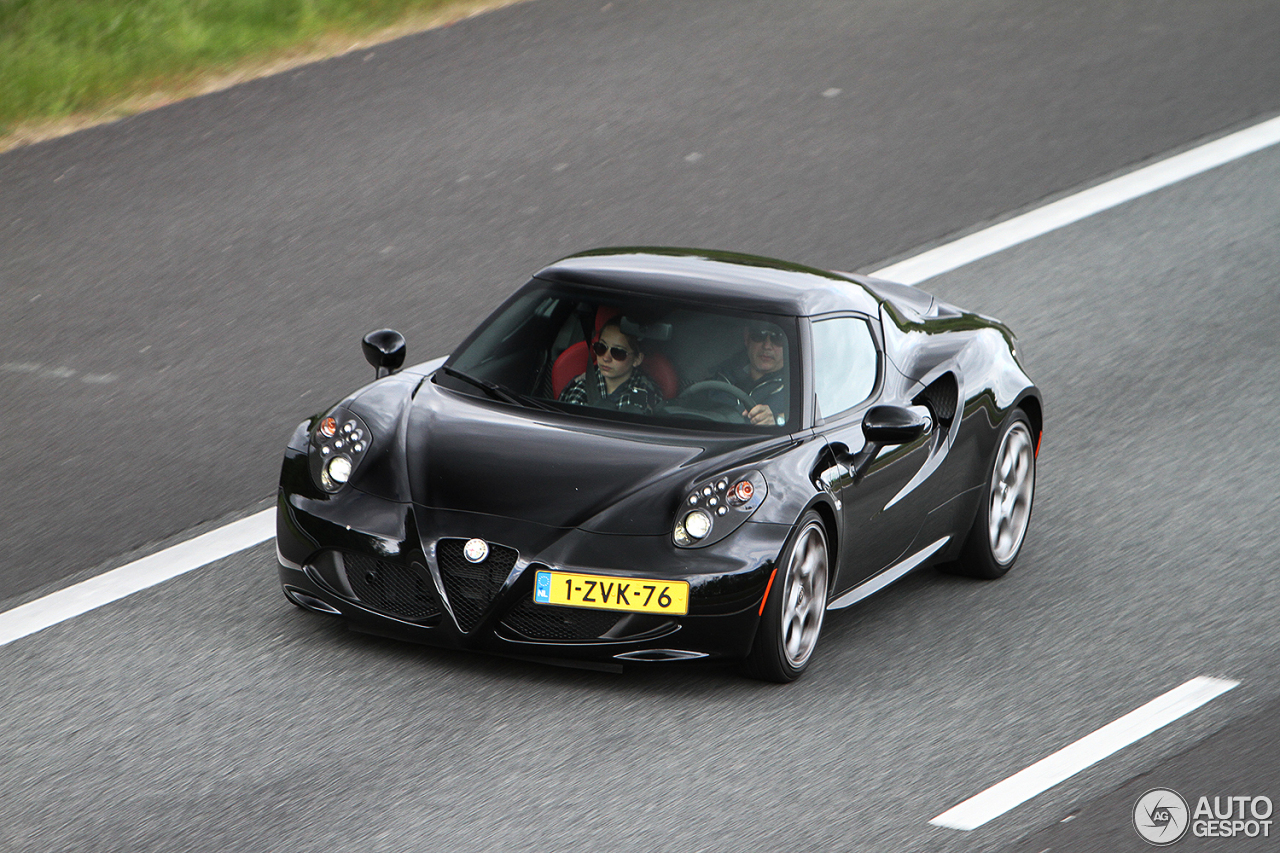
(393, 569)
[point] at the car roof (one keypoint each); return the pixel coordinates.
(746, 282)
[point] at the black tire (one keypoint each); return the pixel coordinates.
(797, 601)
(990, 550)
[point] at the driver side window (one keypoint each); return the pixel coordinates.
(844, 363)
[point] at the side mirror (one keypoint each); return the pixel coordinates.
(384, 349)
(896, 424)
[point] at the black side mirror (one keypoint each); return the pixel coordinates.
(896, 424)
(384, 349)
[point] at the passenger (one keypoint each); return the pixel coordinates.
(619, 385)
(761, 373)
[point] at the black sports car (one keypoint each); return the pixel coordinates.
(658, 454)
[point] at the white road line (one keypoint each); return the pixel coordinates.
(44, 371)
(1086, 752)
(136, 576)
(1065, 211)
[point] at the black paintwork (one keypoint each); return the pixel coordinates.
(446, 461)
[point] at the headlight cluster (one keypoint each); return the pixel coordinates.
(715, 508)
(338, 442)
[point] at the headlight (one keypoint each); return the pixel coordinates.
(697, 524)
(714, 509)
(693, 527)
(339, 469)
(339, 442)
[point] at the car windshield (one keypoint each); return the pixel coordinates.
(634, 358)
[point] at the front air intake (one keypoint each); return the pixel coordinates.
(548, 622)
(391, 588)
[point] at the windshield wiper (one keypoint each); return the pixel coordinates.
(499, 392)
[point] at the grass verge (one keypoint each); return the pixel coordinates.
(69, 64)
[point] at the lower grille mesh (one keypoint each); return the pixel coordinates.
(400, 591)
(549, 622)
(472, 586)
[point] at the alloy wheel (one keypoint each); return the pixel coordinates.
(1012, 483)
(805, 596)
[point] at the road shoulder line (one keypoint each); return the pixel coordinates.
(134, 577)
(1081, 205)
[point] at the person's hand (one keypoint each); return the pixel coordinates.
(761, 415)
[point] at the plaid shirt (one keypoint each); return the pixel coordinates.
(638, 394)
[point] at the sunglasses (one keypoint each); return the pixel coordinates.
(618, 353)
(759, 336)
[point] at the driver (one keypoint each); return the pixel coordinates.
(761, 373)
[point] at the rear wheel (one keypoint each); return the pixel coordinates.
(797, 602)
(1005, 509)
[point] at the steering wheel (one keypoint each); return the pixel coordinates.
(767, 389)
(717, 385)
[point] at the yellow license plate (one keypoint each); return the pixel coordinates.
(611, 593)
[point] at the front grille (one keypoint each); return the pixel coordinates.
(472, 586)
(391, 588)
(549, 622)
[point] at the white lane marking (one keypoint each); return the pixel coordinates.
(136, 576)
(1083, 204)
(911, 271)
(886, 577)
(46, 372)
(1086, 752)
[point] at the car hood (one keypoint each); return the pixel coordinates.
(469, 454)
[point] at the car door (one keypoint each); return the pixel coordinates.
(850, 374)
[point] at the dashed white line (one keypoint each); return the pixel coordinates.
(171, 562)
(46, 372)
(1084, 753)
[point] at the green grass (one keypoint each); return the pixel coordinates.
(64, 57)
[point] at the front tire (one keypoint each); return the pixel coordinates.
(797, 601)
(1005, 509)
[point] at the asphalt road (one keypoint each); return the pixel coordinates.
(180, 288)
(207, 713)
